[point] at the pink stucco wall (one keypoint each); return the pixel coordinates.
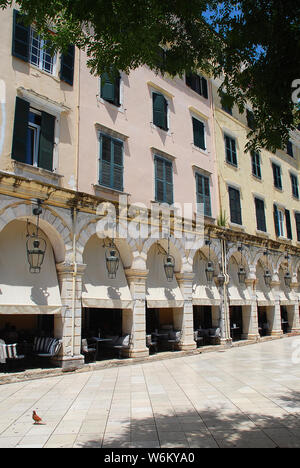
(134, 120)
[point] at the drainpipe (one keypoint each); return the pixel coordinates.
(74, 220)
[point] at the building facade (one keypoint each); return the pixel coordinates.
(134, 171)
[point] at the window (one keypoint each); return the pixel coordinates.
(230, 147)
(294, 182)
(289, 149)
(226, 103)
(280, 215)
(197, 83)
(235, 205)
(33, 136)
(250, 119)
(277, 176)
(260, 215)
(160, 111)
(163, 180)
(111, 162)
(297, 219)
(39, 54)
(110, 88)
(199, 133)
(255, 159)
(29, 46)
(203, 193)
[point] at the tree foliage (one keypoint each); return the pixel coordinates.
(254, 45)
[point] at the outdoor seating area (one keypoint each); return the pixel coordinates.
(207, 336)
(97, 348)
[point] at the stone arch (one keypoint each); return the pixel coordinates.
(176, 249)
(234, 254)
(51, 223)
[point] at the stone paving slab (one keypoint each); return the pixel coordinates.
(247, 397)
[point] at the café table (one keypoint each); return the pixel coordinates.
(98, 340)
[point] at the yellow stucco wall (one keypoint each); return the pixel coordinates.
(242, 178)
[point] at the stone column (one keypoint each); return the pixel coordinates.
(134, 320)
(274, 313)
(183, 317)
(225, 338)
(293, 311)
(250, 318)
(68, 325)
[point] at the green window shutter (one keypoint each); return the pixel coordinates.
(46, 141)
(276, 220)
(21, 37)
(260, 215)
(235, 206)
(67, 65)
(160, 111)
(204, 88)
(111, 163)
(198, 130)
(250, 119)
(107, 88)
(20, 130)
(288, 224)
(203, 193)
(163, 180)
(117, 175)
(297, 219)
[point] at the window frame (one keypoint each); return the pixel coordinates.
(277, 179)
(295, 185)
(264, 224)
(231, 139)
(239, 220)
(255, 164)
(204, 123)
(111, 186)
(204, 177)
(164, 181)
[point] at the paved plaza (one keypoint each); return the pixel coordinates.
(243, 397)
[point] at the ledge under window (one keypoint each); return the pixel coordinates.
(36, 173)
(106, 192)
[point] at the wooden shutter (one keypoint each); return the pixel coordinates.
(297, 219)
(276, 220)
(107, 88)
(20, 130)
(277, 176)
(105, 161)
(198, 130)
(163, 180)
(203, 193)
(288, 224)
(235, 206)
(67, 65)
(260, 215)
(250, 119)
(46, 141)
(160, 110)
(117, 170)
(21, 37)
(204, 88)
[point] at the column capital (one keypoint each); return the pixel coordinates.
(70, 268)
(132, 274)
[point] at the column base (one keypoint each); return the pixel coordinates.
(251, 336)
(136, 353)
(187, 347)
(226, 342)
(69, 363)
(276, 333)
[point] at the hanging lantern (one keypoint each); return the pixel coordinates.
(35, 245)
(242, 274)
(242, 271)
(267, 277)
(209, 271)
(112, 260)
(288, 279)
(169, 264)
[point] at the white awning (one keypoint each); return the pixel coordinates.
(160, 293)
(238, 293)
(203, 293)
(22, 292)
(99, 291)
